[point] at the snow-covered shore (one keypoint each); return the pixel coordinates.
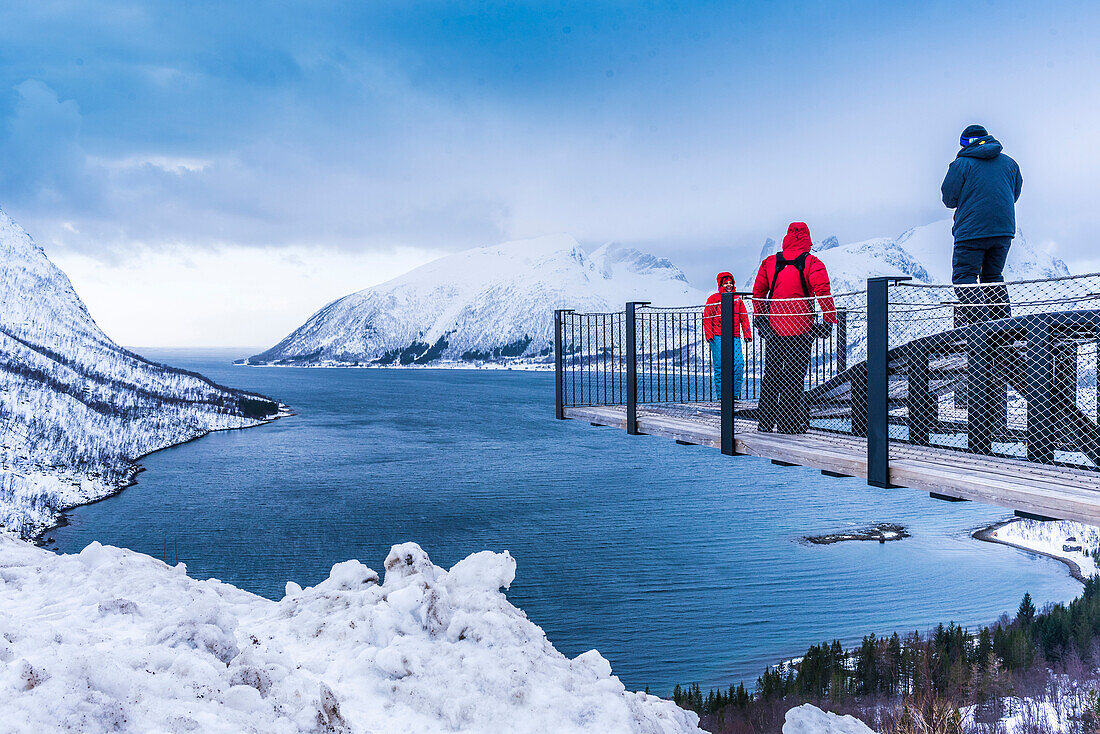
(109, 639)
(1072, 543)
(77, 409)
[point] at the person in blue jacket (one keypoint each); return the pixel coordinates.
(982, 186)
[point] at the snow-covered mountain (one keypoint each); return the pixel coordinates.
(76, 410)
(490, 303)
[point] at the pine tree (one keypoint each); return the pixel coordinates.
(1025, 615)
(984, 650)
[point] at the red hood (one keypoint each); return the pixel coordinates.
(725, 275)
(797, 240)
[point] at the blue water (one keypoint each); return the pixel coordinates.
(677, 563)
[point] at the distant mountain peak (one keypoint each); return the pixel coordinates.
(486, 304)
(613, 255)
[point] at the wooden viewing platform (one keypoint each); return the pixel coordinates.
(910, 389)
(1032, 490)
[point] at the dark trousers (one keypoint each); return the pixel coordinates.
(782, 394)
(983, 261)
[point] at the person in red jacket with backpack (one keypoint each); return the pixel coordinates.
(787, 286)
(712, 330)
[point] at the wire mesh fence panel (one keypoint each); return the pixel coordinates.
(1003, 369)
(593, 359)
(676, 362)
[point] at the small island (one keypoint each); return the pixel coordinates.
(882, 532)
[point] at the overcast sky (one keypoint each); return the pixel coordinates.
(212, 172)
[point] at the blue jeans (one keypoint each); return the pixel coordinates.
(738, 367)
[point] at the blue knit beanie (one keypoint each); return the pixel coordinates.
(972, 133)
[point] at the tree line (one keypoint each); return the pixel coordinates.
(949, 664)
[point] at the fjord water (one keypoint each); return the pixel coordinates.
(677, 563)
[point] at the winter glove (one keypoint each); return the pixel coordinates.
(822, 331)
(762, 325)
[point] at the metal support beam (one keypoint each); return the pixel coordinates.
(1033, 516)
(981, 392)
(922, 403)
(1040, 389)
(632, 367)
(728, 337)
(878, 380)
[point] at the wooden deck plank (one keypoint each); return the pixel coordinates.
(1065, 493)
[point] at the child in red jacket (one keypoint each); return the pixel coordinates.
(712, 330)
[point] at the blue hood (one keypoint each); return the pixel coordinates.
(986, 147)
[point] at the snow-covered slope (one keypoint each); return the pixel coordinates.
(75, 408)
(490, 303)
(135, 645)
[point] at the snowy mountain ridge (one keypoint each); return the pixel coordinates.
(77, 410)
(484, 304)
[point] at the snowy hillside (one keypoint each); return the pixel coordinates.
(76, 410)
(136, 645)
(491, 303)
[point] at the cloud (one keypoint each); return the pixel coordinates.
(234, 296)
(44, 164)
(368, 127)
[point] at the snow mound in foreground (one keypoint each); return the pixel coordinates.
(112, 640)
(807, 719)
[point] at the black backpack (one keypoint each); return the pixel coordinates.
(782, 262)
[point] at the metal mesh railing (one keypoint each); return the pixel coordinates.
(593, 358)
(1000, 369)
(675, 362)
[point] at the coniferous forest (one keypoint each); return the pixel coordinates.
(1040, 667)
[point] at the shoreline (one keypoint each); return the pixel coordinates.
(135, 468)
(986, 534)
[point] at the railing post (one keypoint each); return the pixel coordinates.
(559, 365)
(878, 379)
(841, 340)
(632, 367)
(728, 336)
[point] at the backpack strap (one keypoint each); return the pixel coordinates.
(782, 262)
